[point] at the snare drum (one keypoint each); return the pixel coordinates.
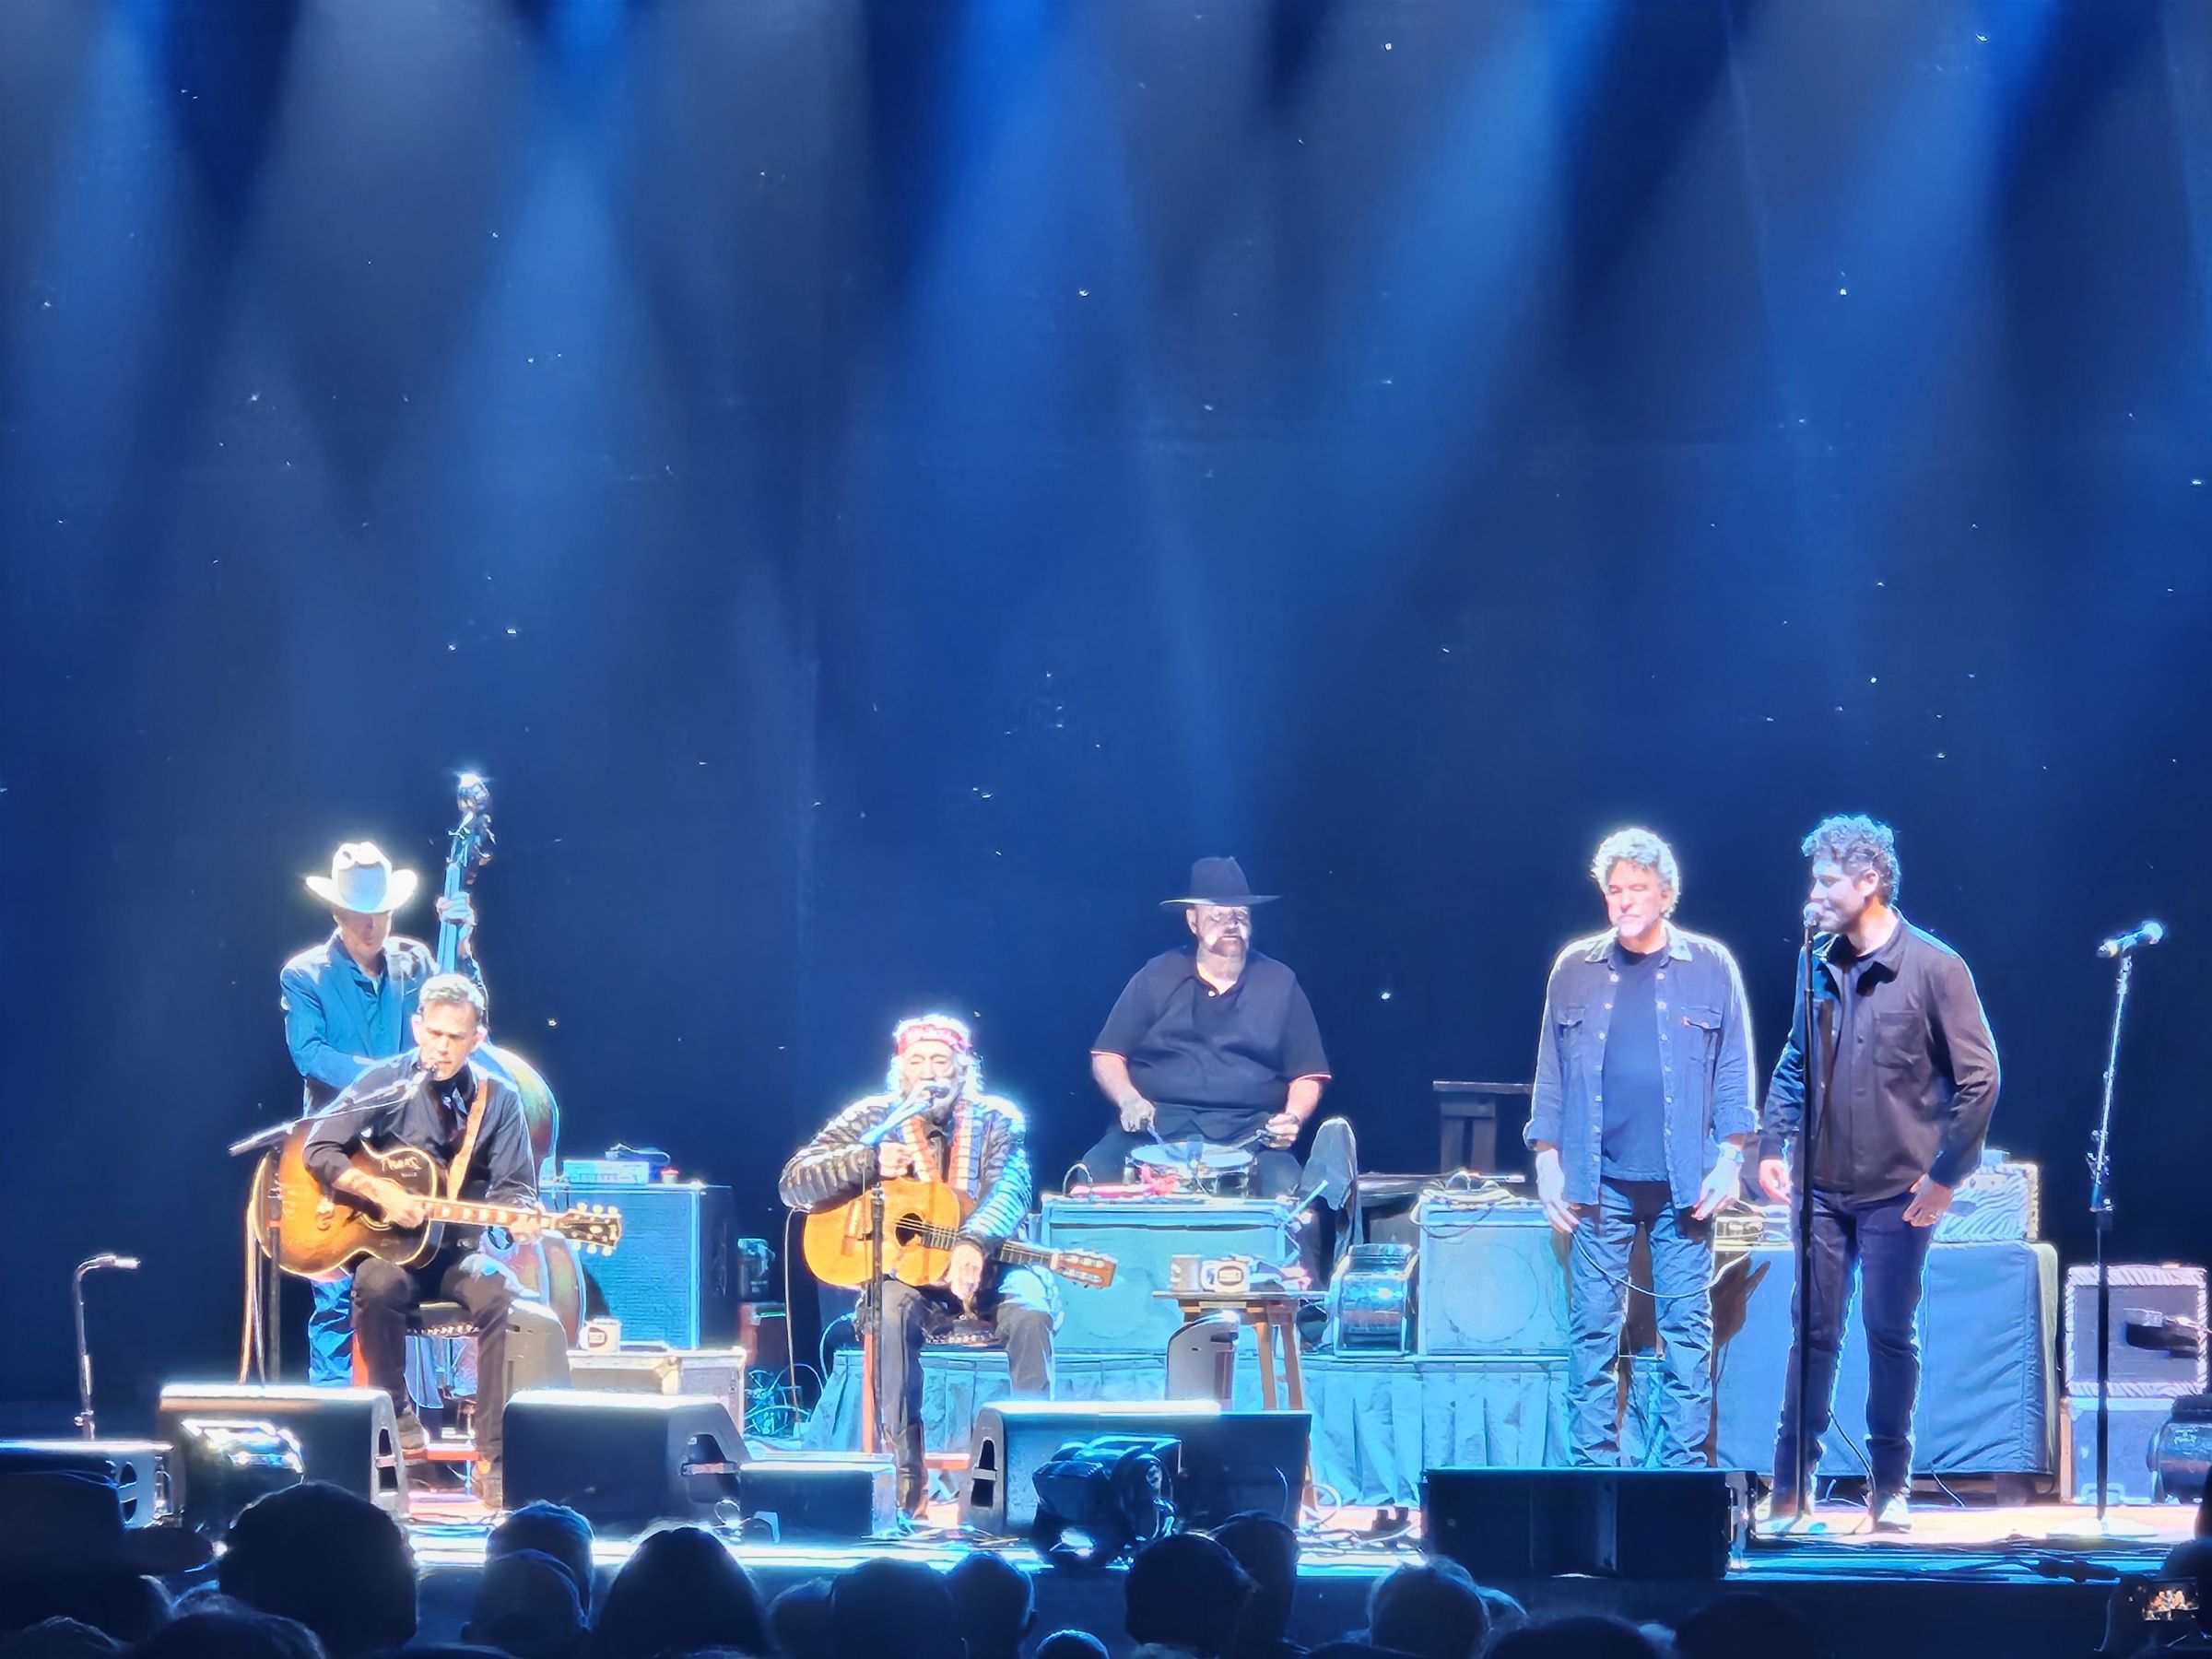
(1194, 1167)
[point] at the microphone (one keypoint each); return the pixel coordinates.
(1811, 914)
(2127, 944)
(108, 1259)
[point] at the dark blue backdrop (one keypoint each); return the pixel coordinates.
(881, 486)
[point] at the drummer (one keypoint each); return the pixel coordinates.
(1213, 1042)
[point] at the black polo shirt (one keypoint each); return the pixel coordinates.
(1188, 1044)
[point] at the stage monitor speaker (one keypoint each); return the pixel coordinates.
(1634, 1523)
(348, 1436)
(140, 1470)
(622, 1461)
(840, 1496)
(1231, 1461)
(674, 1280)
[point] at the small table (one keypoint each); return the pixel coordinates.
(1271, 1313)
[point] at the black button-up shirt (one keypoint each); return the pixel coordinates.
(1188, 1044)
(1911, 1068)
(397, 1102)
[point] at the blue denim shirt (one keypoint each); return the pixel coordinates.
(1704, 1060)
(338, 1021)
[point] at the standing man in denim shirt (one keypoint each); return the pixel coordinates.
(1640, 1119)
(1911, 1080)
(349, 1003)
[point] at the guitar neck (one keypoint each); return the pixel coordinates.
(1014, 1255)
(476, 1214)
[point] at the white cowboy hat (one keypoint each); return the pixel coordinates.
(361, 878)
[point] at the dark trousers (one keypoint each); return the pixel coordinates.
(1020, 1310)
(1274, 1172)
(1890, 1257)
(486, 1292)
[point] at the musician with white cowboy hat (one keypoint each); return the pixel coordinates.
(349, 1003)
(1213, 1042)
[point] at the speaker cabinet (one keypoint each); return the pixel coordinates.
(1636, 1523)
(1494, 1279)
(1231, 1461)
(348, 1436)
(623, 1461)
(674, 1278)
(139, 1469)
(832, 1496)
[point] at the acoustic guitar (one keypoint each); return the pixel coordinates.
(322, 1233)
(922, 1219)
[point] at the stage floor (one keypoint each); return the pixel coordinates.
(2024, 1580)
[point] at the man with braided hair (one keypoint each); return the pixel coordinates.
(974, 1142)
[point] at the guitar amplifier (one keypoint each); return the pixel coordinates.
(2157, 1332)
(672, 1278)
(1493, 1276)
(2002, 1202)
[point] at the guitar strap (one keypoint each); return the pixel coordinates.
(458, 1173)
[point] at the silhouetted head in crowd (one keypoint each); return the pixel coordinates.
(552, 1529)
(1185, 1592)
(59, 1639)
(893, 1607)
(229, 1631)
(280, 1560)
(1071, 1644)
(1744, 1621)
(1507, 1615)
(798, 1621)
(682, 1590)
(1267, 1550)
(1432, 1610)
(526, 1606)
(66, 1553)
(993, 1601)
(1579, 1637)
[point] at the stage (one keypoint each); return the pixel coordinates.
(1966, 1580)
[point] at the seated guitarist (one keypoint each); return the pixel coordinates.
(973, 1141)
(427, 1097)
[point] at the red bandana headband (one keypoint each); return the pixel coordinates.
(934, 1028)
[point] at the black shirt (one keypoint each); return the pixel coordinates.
(1188, 1044)
(397, 1102)
(1634, 1085)
(1911, 1067)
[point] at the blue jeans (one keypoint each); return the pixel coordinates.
(1597, 1283)
(330, 1334)
(1891, 1257)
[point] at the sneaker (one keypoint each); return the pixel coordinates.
(413, 1440)
(1892, 1514)
(491, 1485)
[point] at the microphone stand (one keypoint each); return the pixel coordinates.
(871, 1296)
(2100, 1218)
(84, 1350)
(268, 1202)
(1814, 1056)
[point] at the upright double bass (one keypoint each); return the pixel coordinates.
(547, 1265)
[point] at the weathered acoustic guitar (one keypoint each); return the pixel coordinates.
(922, 1221)
(322, 1234)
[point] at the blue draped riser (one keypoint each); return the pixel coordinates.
(1987, 1399)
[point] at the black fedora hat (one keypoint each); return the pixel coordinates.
(1219, 881)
